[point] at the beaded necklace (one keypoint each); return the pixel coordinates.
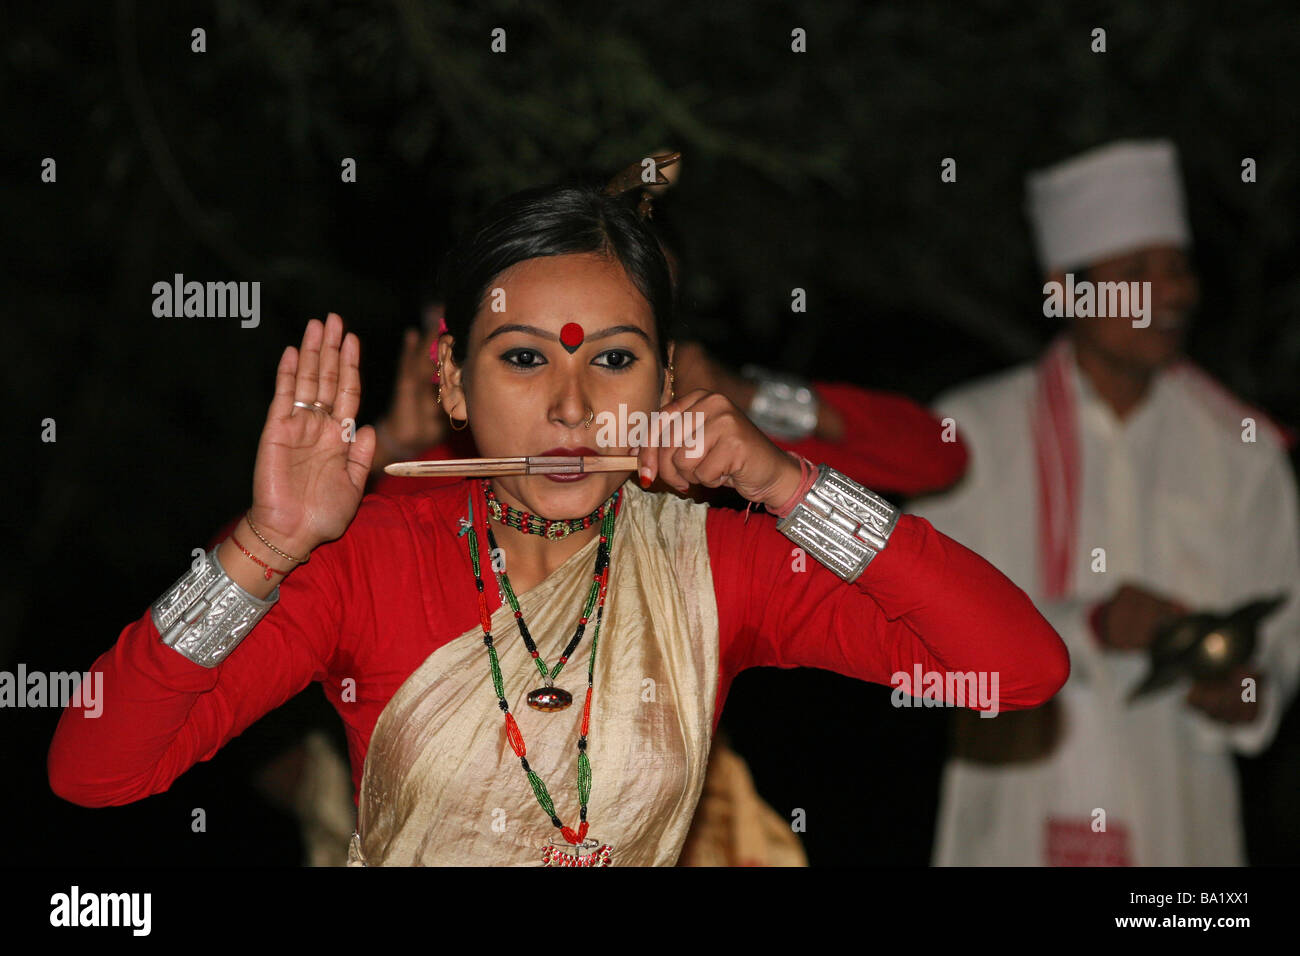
(547, 698)
(532, 524)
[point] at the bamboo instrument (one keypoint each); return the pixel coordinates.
(535, 465)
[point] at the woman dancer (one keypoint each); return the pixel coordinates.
(491, 644)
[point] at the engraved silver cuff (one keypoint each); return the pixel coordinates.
(783, 406)
(204, 615)
(840, 523)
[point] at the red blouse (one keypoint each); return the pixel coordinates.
(370, 607)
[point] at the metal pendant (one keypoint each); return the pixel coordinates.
(549, 699)
(559, 854)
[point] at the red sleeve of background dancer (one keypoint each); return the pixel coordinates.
(890, 443)
(161, 713)
(924, 600)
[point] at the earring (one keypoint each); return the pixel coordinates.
(590, 418)
(672, 394)
(464, 422)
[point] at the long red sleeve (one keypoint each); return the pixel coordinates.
(890, 443)
(360, 616)
(925, 599)
(163, 713)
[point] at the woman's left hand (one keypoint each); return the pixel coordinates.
(706, 440)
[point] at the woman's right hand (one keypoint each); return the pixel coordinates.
(309, 478)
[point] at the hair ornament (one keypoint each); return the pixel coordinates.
(631, 178)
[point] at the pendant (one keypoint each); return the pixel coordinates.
(549, 699)
(560, 854)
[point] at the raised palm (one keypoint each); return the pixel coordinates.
(312, 462)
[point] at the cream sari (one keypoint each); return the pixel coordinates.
(441, 785)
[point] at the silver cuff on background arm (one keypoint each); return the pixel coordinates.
(784, 406)
(205, 614)
(840, 523)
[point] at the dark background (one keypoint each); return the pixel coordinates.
(818, 170)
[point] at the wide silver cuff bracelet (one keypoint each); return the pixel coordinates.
(840, 523)
(204, 615)
(784, 406)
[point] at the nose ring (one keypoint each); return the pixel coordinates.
(590, 418)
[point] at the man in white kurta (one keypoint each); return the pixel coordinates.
(1187, 497)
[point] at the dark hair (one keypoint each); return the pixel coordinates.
(559, 219)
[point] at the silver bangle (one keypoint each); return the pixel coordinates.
(840, 523)
(205, 614)
(783, 406)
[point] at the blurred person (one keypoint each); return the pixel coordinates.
(1111, 481)
(414, 428)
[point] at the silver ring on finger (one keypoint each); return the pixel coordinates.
(315, 406)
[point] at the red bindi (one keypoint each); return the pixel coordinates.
(571, 336)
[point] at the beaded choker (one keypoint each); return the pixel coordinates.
(533, 524)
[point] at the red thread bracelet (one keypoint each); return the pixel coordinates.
(256, 560)
(807, 475)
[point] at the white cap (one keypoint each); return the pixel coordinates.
(1106, 202)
